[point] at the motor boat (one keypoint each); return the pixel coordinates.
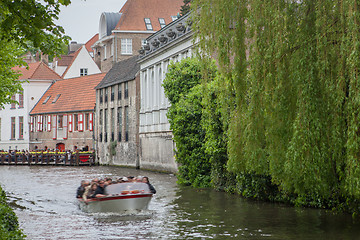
(119, 197)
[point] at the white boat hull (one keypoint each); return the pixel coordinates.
(117, 203)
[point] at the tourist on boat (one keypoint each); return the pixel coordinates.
(100, 190)
(81, 189)
(89, 191)
(146, 180)
(108, 181)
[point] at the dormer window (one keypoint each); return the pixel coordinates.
(56, 98)
(174, 18)
(162, 22)
(148, 24)
(46, 99)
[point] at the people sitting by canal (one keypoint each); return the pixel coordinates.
(151, 187)
(100, 190)
(81, 189)
(89, 191)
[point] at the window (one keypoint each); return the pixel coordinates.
(56, 98)
(126, 46)
(101, 95)
(105, 52)
(60, 121)
(21, 127)
(112, 49)
(126, 124)
(87, 121)
(46, 99)
(174, 18)
(12, 128)
(83, 71)
(106, 95)
(126, 86)
(112, 93)
(21, 99)
(119, 91)
(13, 104)
(119, 121)
(162, 22)
(148, 24)
(76, 122)
(112, 119)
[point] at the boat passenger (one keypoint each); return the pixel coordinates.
(89, 191)
(81, 189)
(124, 179)
(108, 181)
(146, 180)
(100, 190)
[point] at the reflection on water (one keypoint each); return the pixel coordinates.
(44, 200)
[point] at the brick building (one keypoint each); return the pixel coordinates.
(123, 33)
(63, 118)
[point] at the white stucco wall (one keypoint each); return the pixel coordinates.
(82, 60)
(33, 90)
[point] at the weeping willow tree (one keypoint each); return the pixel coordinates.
(291, 70)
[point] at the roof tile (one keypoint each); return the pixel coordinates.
(134, 12)
(76, 94)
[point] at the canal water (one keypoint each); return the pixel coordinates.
(44, 201)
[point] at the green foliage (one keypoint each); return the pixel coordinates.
(185, 8)
(290, 81)
(9, 226)
(183, 89)
(26, 24)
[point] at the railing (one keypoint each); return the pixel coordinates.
(48, 158)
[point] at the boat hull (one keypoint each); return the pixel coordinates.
(117, 203)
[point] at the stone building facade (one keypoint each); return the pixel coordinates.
(117, 119)
(171, 44)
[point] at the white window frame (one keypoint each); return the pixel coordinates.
(83, 71)
(148, 24)
(126, 46)
(162, 22)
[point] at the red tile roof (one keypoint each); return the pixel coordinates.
(76, 94)
(134, 12)
(37, 70)
(91, 42)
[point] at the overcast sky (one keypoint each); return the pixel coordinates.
(81, 18)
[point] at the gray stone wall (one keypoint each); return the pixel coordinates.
(158, 152)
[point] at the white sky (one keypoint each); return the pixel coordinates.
(81, 18)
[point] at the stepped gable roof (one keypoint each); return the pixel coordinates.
(74, 95)
(91, 42)
(74, 55)
(134, 12)
(122, 71)
(36, 70)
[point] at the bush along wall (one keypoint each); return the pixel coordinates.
(9, 226)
